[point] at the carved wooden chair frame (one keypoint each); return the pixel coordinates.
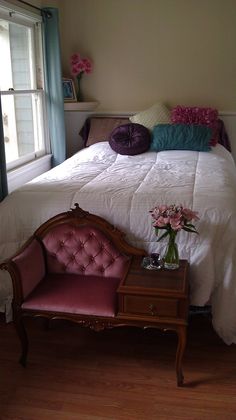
(76, 217)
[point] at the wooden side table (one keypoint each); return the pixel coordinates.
(157, 298)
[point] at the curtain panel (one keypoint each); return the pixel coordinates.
(3, 170)
(54, 91)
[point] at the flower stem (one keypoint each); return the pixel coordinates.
(171, 258)
(79, 93)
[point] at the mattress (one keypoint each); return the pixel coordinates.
(123, 189)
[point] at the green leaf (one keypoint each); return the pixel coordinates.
(163, 236)
(161, 227)
(190, 225)
(190, 230)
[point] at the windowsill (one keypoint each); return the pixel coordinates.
(25, 173)
(80, 106)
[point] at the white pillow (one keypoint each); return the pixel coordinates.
(157, 114)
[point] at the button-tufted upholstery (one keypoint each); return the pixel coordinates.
(84, 270)
(80, 275)
(84, 250)
(70, 268)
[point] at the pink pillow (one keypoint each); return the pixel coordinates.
(198, 116)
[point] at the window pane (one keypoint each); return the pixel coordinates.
(15, 47)
(22, 124)
(22, 87)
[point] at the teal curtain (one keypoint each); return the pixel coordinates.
(3, 170)
(54, 92)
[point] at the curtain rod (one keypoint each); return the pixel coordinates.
(47, 14)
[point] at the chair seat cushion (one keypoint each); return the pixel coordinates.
(75, 294)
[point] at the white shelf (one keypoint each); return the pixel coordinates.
(80, 106)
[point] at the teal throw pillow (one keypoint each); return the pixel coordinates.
(181, 137)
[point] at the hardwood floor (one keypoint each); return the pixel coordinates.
(75, 373)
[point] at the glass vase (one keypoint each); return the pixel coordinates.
(78, 92)
(171, 257)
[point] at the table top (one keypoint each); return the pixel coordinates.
(162, 281)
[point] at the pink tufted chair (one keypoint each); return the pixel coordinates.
(70, 269)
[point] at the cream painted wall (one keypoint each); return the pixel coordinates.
(177, 51)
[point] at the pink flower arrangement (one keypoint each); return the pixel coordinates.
(173, 218)
(80, 65)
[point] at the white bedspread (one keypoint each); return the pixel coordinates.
(123, 189)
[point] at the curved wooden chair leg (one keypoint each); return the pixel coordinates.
(179, 354)
(20, 328)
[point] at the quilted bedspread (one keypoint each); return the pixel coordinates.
(123, 189)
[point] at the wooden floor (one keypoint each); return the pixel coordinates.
(127, 373)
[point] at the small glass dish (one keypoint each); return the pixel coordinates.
(152, 262)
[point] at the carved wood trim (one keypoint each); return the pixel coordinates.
(78, 217)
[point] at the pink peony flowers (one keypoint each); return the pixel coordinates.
(173, 218)
(80, 65)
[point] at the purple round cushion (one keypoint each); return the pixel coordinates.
(130, 139)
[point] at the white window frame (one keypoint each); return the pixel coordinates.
(15, 14)
(34, 155)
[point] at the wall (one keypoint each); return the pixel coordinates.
(178, 51)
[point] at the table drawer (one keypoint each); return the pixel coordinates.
(150, 306)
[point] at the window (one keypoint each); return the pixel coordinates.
(22, 86)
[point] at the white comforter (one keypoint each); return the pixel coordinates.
(123, 189)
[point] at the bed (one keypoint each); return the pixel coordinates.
(123, 189)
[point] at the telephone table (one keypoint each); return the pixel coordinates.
(157, 298)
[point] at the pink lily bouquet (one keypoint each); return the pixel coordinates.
(79, 66)
(172, 219)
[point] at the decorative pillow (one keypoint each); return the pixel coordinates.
(157, 114)
(130, 139)
(197, 115)
(101, 128)
(181, 137)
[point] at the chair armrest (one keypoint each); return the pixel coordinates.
(27, 269)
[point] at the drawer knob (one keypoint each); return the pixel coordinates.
(153, 309)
